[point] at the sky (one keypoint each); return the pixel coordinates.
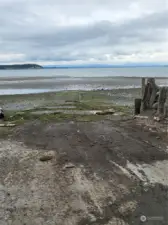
(73, 32)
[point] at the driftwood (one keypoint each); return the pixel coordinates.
(7, 125)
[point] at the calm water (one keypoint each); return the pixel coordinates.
(45, 80)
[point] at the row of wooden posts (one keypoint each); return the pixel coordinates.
(153, 98)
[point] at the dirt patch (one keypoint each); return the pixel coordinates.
(105, 140)
(87, 179)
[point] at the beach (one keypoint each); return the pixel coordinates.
(77, 157)
(79, 167)
(118, 85)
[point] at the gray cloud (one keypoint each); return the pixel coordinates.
(66, 31)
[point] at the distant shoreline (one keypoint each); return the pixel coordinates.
(102, 66)
(98, 66)
(20, 66)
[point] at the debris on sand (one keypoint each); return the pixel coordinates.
(106, 112)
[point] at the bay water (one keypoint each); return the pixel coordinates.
(49, 80)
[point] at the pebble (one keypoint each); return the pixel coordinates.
(158, 137)
(46, 158)
(69, 166)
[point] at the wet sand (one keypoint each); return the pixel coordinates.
(40, 84)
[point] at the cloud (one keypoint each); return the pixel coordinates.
(66, 31)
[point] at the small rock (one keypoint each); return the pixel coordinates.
(47, 157)
(156, 118)
(157, 137)
(69, 166)
(92, 218)
(146, 186)
(110, 203)
(127, 208)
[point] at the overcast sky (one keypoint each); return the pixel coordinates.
(89, 31)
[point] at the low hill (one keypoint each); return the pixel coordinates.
(20, 66)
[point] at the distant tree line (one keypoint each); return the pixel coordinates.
(20, 66)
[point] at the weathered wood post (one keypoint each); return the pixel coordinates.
(149, 92)
(1, 113)
(166, 105)
(154, 90)
(153, 98)
(137, 104)
(162, 100)
(143, 86)
(143, 93)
